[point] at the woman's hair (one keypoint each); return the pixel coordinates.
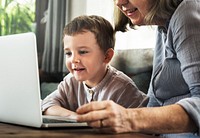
(160, 11)
(100, 27)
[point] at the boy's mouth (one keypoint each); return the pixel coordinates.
(79, 69)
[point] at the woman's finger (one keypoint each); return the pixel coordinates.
(92, 116)
(95, 124)
(91, 107)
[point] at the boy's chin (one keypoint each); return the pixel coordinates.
(79, 79)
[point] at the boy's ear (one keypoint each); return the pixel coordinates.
(109, 54)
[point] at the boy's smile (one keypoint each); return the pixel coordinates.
(78, 71)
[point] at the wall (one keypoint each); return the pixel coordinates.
(77, 7)
(89, 7)
(100, 7)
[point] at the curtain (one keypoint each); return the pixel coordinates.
(41, 6)
(55, 18)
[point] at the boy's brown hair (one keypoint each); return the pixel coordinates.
(100, 27)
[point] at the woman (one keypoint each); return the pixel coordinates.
(174, 93)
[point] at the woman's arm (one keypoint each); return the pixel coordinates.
(112, 118)
(161, 120)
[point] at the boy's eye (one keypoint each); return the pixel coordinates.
(68, 53)
(83, 52)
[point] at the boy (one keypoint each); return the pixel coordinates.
(88, 44)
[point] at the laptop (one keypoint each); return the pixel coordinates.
(20, 97)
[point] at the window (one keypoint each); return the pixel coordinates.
(17, 16)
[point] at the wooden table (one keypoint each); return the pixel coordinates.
(15, 131)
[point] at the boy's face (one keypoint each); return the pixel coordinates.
(84, 58)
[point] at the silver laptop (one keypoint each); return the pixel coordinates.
(19, 84)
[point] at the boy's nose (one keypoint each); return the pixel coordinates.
(75, 60)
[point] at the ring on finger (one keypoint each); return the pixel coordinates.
(101, 123)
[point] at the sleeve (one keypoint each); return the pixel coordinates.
(58, 97)
(152, 100)
(187, 46)
(130, 96)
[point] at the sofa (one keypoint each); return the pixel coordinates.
(136, 63)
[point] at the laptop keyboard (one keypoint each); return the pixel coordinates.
(49, 119)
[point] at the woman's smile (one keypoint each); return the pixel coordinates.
(131, 12)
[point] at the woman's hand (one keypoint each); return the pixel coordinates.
(107, 116)
(110, 117)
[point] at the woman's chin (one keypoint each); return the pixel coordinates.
(137, 22)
